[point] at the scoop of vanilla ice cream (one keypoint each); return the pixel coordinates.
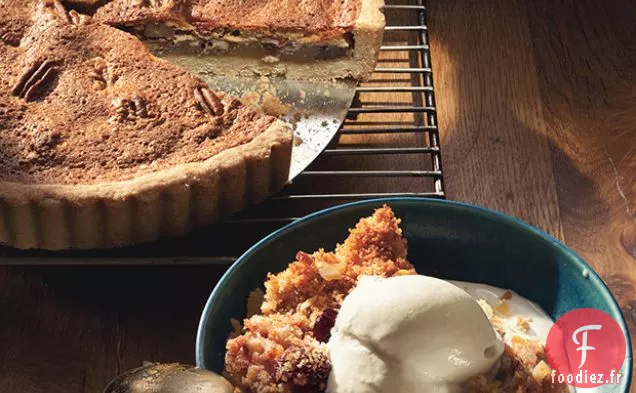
(409, 334)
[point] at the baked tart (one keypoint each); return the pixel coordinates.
(103, 144)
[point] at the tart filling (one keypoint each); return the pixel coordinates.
(163, 39)
(327, 39)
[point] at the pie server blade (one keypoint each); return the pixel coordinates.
(316, 110)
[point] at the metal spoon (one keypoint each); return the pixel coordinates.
(169, 378)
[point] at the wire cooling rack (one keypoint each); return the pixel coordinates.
(388, 146)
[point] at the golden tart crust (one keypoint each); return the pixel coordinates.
(104, 145)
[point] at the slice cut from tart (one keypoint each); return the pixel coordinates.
(318, 39)
(102, 144)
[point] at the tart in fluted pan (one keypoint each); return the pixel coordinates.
(103, 144)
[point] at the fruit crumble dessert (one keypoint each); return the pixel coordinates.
(288, 347)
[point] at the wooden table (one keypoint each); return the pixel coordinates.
(537, 109)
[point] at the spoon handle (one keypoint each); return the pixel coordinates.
(169, 378)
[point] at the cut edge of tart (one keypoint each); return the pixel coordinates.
(71, 104)
(347, 47)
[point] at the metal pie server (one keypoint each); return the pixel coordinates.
(316, 109)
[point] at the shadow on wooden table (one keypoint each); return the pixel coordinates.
(537, 108)
(73, 329)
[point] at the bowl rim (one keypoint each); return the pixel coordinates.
(482, 211)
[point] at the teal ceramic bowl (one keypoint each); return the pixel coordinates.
(446, 239)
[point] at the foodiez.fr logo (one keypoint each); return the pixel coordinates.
(586, 348)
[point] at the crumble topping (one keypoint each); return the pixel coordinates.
(300, 306)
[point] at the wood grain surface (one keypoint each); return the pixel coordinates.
(537, 109)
